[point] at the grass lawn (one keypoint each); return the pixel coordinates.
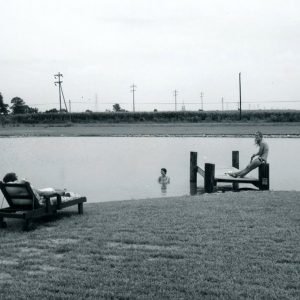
(230, 246)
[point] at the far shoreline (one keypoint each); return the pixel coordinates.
(240, 129)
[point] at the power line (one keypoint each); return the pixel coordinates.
(171, 103)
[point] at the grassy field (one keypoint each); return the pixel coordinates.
(154, 129)
(230, 245)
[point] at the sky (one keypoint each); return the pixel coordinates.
(192, 46)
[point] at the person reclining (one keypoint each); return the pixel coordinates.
(39, 193)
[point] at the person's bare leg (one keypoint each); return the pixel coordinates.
(254, 164)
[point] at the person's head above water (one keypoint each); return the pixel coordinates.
(258, 137)
(10, 177)
(163, 171)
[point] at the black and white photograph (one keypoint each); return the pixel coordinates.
(149, 149)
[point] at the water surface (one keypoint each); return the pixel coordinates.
(121, 168)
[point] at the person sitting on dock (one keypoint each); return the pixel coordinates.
(254, 163)
(163, 179)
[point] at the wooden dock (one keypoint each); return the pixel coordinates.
(212, 175)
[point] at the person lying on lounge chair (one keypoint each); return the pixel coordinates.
(262, 156)
(39, 193)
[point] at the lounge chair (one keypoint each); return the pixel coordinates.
(24, 204)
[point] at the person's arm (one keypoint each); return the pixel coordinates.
(258, 153)
(253, 155)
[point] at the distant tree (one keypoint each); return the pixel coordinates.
(19, 107)
(51, 111)
(116, 107)
(155, 110)
(31, 110)
(3, 106)
(89, 111)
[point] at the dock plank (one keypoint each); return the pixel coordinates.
(227, 178)
(222, 176)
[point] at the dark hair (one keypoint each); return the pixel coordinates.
(164, 169)
(10, 177)
(259, 133)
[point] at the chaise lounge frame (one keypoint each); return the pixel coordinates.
(26, 206)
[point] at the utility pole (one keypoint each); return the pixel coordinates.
(70, 110)
(222, 104)
(183, 106)
(96, 102)
(201, 96)
(240, 88)
(133, 89)
(175, 96)
(60, 91)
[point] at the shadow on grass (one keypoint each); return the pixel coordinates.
(45, 221)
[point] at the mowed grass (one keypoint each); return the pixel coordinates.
(230, 246)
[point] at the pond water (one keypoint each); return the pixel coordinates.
(121, 168)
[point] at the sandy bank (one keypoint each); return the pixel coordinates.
(168, 129)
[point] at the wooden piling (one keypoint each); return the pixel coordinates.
(193, 188)
(193, 167)
(209, 178)
(235, 164)
(264, 177)
(80, 208)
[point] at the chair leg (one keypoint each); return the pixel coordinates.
(29, 225)
(2, 223)
(80, 208)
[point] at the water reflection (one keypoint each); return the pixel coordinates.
(163, 188)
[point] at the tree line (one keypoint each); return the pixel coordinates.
(18, 106)
(20, 112)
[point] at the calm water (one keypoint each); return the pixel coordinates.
(107, 169)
